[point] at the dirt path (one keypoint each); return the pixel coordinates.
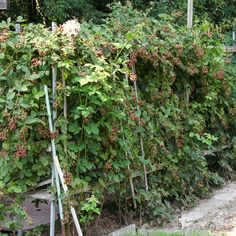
(216, 214)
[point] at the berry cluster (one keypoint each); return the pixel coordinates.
(3, 134)
(137, 101)
(12, 124)
(199, 51)
(179, 142)
(205, 70)
(113, 136)
(47, 134)
(11, 121)
(21, 151)
(4, 36)
(68, 177)
(59, 86)
(85, 120)
(108, 165)
(192, 70)
(133, 77)
(133, 116)
(99, 53)
(3, 154)
(228, 61)
(23, 133)
(110, 47)
(176, 61)
(179, 49)
(36, 62)
(133, 59)
(42, 53)
(219, 74)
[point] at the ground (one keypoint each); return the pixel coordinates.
(216, 214)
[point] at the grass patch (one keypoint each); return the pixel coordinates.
(159, 233)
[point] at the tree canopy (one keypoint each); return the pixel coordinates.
(217, 11)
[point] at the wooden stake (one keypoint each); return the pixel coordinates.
(129, 170)
(190, 14)
(141, 139)
(64, 98)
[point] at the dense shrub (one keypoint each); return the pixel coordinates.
(185, 105)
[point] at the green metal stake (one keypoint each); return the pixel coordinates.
(55, 179)
(57, 166)
(54, 115)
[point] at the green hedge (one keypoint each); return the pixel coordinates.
(185, 105)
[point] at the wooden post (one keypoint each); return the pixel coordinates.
(18, 28)
(190, 14)
(189, 25)
(4, 4)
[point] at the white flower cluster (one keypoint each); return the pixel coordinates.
(71, 28)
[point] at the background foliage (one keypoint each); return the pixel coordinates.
(216, 11)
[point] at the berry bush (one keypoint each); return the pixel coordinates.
(125, 81)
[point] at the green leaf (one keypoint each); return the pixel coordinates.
(6, 146)
(15, 189)
(10, 95)
(31, 120)
(87, 129)
(94, 129)
(85, 113)
(74, 128)
(119, 45)
(39, 94)
(23, 103)
(3, 78)
(2, 55)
